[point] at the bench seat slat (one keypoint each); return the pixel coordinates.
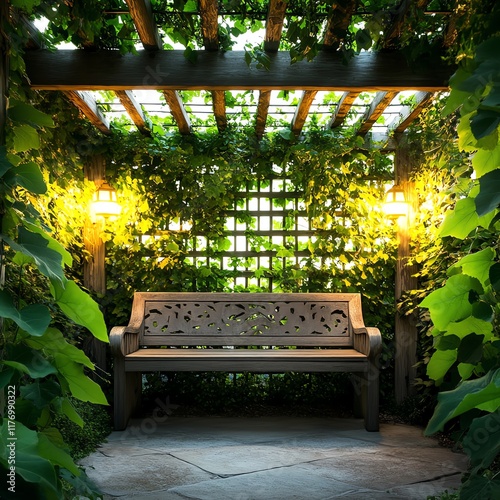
(240, 360)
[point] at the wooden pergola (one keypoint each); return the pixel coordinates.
(383, 72)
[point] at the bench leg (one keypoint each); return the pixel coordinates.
(127, 395)
(366, 402)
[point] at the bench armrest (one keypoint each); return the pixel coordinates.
(368, 340)
(123, 340)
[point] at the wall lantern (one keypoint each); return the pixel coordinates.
(104, 203)
(395, 204)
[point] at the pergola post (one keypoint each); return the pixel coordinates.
(94, 277)
(405, 328)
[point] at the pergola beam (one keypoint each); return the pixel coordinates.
(134, 110)
(274, 25)
(409, 114)
(86, 103)
(338, 23)
(178, 111)
(209, 12)
(170, 70)
(377, 107)
(262, 110)
(345, 104)
(302, 111)
(142, 16)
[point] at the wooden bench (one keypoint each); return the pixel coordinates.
(327, 330)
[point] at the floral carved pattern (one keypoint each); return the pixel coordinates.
(246, 318)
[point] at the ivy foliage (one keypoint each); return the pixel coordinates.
(41, 369)
(464, 311)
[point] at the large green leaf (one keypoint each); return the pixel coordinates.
(469, 325)
(80, 307)
(27, 175)
(53, 341)
(30, 465)
(25, 113)
(55, 454)
(25, 138)
(34, 318)
(48, 261)
(471, 349)
(456, 97)
(480, 488)
(28, 361)
(52, 243)
(468, 395)
(482, 442)
(440, 363)
(451, 302)
(80, 385)
(488, 197)
(41, 393)
(485, 161)
(476, 265)
(461, 220)
(5, 164)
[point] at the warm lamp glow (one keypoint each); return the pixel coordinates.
(395, 204)
(105, 203)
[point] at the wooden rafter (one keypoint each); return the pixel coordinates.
(302, 111)
(338, 23)
(274, 25)
(209, 12)
(379, 103)
(178, 111)
(345, 104)
(86, 103)
(134, 110)
(219, 104)
(410, 113)
(399, 18)
(142, 16)
(262, 109)
(169, 69)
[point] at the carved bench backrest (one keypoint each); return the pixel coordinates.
(174, 319)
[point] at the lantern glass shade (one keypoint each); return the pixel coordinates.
(395, 204)
(105, 202)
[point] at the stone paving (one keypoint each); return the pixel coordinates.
(271, 458)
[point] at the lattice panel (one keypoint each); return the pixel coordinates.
(247, 318)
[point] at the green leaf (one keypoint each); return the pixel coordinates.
(32, 467)
(80, 385)
(495, 276)
(456, 97)
(466, 139)
(447, 342)
(468, 395)
(6, 376)
(80, 307)
(461, 220)
(5, 164)
(52, 243)
(471, 349)
(440, 363)
(22, 112)
(470, 325)
(34, 318)
(480, 488)
(485, 160)
(287, 134)
(69, 410)
(41, 393)
(48, 261)
(482, 442)
(55, 454)
(465, 370)
(451, 302)
(476, 265)
(488, 197)
(28, 361)
(29, 176)
(484, 123)
(25, 138)
(53, 341)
